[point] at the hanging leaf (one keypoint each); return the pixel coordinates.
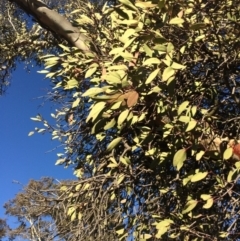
(113, 143)
(183, 107)
(191, 125)
(76, 103)
(152, 61)
(200, 155)
(123, 116)
(179, 158)
(30, 133)
(167, 73)
(176, 21)
(189, 206)
(90, 72)
(199, 176)
(228, 153)
(208, 204)
(97, 108)
(93, 91)
(205, 197)
(152, 76)
(129, 4)
(110, 124)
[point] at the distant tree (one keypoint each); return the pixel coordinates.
(42, 211)
(148, 96)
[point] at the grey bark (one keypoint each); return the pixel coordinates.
(55, 22)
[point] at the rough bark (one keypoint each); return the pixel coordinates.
(54, 22)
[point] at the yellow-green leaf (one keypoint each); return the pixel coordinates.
(228, 153)
(183, 107)
(120, 178)
(200, 155)
(123, 116)
(71, 84)
(176, 21)
(205, 197)
(167, 73)
(97, 108)
(191, 125)
(90, 72)
(179, 158)
(152, 76)
(110, 124)
(129, 4)
(177, 66)
(189, 206)
(151, 61)
(208, 204)
(113, 143)
(75, 103)
(199, 176)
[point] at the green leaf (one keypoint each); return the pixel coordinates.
(176, 21)
(113, 143)
(200, 155)
(93, 91)
(90, 72)
(110, 124)
(184, 119)
(205, 197)
(228, 153)
(152, 76)
(179, 158)
(73, 83)
(189, 206)
(120, 178)
(125, 161)
(76, 103)
(123, 116)
(167, 73)
(183, 107)
(151, 61)
(97, 108)
(191, 125)
(112, 78)
(208, 204)
(177, 66)
(199, 176)
(129, 4)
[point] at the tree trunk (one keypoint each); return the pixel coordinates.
(53, 21)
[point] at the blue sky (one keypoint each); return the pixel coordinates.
(21, 157)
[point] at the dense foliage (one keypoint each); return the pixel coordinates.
(142, 119)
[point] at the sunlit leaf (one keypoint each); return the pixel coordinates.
(189, 206)
(113, 143)
(167, 73)
(152, 76)
(199, 176)
(191, 125)
(208, 204)
(176, 21)
(179, 158)
(228, 153)
(123, 116)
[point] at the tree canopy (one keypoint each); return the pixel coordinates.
(148, 92)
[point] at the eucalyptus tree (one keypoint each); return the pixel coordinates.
(147, 98)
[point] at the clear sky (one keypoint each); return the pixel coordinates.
(21, 157)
